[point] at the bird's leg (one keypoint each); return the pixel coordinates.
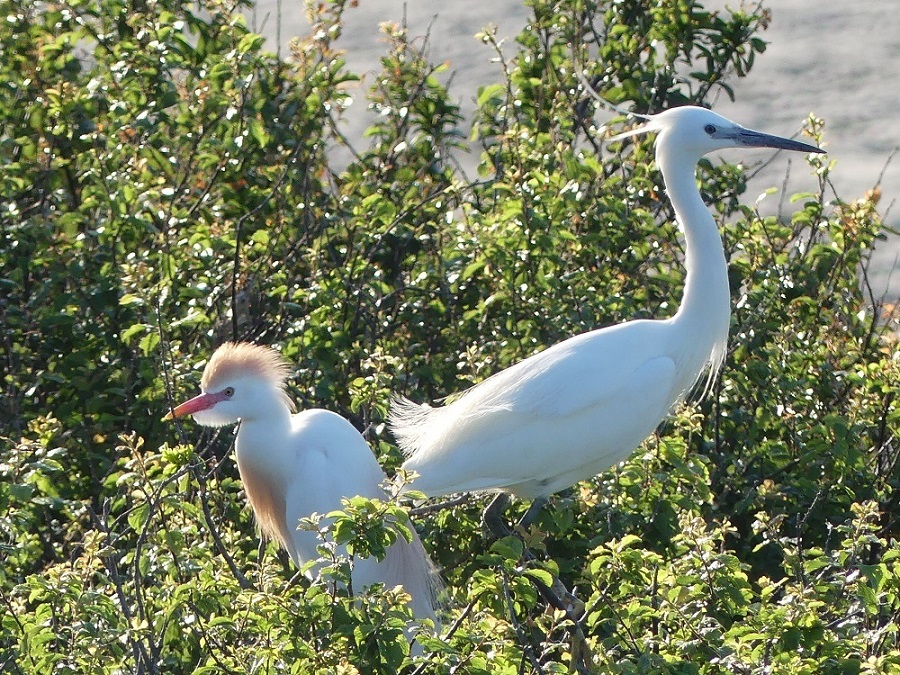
(532, 513)
(493, 515)
(492, 518)
(556, 595)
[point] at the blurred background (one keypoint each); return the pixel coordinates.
(838, 61)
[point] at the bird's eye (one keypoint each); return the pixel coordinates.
(229, 391)
(710, 129)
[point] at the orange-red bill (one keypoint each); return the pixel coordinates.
(194, 405)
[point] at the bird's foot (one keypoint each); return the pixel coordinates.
(559, 597)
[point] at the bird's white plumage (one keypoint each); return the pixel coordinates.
(581, 406)
(531, 429)
(294, 465)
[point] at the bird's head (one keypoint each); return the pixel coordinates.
(692, 132)
(241, 381)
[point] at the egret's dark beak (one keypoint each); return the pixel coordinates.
(757, 139)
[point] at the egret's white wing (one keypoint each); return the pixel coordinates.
(581, 372)
(311, 493)
(333, 462)
(573, 410)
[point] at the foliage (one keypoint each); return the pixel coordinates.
(167, 185)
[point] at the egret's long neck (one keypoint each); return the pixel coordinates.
(706, 305)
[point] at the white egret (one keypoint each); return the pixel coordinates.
(294, 465)
(579, 407)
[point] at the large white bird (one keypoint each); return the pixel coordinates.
(579, 407)
(293, 465)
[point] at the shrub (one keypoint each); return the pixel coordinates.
(167, 185)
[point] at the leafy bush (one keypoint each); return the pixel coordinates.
(167, 185)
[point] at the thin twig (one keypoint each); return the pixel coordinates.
(440, 506)
(242, 580)
(507, 596)
(109, 561)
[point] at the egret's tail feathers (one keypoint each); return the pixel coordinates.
(409, 421)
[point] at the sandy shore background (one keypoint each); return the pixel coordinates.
(837, 59)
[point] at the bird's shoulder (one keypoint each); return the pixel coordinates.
(324, 427)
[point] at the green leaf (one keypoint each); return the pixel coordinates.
(137, 518)
(149, 342)
(133, 331)
(20, 492)
(510, 548)
(130, 299)
(250, 43)
(542, 576)
(258, 131)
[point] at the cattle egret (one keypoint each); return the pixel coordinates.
(294, 465)
(579, 407)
